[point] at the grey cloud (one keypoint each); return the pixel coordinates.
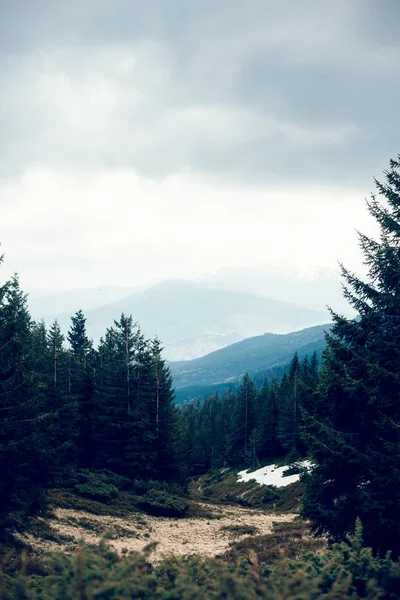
(255, 90)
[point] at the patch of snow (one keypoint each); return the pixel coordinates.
(273, 475)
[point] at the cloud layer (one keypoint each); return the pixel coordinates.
(143, 112)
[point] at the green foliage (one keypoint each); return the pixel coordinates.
(120, 506)
(294, 469)
(251, 427)
(96, 486)
(290, 498)
(289, 539)
(271, 494)
(143, 486)
(84, 419)
(348, 570)
(353, 428)
(162, 504)
(225, 488)
(28, 424)
(118, 481)
(102, 485)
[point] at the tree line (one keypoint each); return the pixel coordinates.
(70, 406)
(252, 426)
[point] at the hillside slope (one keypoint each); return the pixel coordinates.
(256, 355)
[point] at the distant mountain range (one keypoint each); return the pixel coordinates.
(259, 355)
(50, 302)
(190, 318)
(315, 288)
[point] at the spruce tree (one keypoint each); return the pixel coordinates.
(354, 433)
(244, 421)
(165, 414)
(81, 386)
(141, 448)
(270, 403)
(25, 448)
(289, 414)
(62, 400)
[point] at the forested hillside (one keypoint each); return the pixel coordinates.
(251, 426)
(267, 355)
(76, 406)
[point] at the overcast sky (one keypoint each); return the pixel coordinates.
(152, 139)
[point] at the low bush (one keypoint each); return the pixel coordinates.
(271, 494)
(348, 570)
(290, 498)
(294, 469)
(120, 506)
(118, 481)
(161, 503)
(291, 539)
(96, 486)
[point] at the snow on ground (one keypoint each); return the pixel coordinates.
(272, 475)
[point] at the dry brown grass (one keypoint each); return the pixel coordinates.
(174, 537)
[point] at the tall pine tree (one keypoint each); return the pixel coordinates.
(81, 386)
(355, 431)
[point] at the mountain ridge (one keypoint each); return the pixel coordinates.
(193, 320)
(258, 355)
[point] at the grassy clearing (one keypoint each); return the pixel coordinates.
(66, 529)
(220, 518)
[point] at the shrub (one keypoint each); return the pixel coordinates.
(348, 570)
(290, 497)
(291, 539)
(143, 486)
(294, 469)
(118, 481)
(271, 494)
(95, 486)
(161, 503)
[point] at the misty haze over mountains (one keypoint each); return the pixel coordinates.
(313, 288)
(262, 356)
(194, 318)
